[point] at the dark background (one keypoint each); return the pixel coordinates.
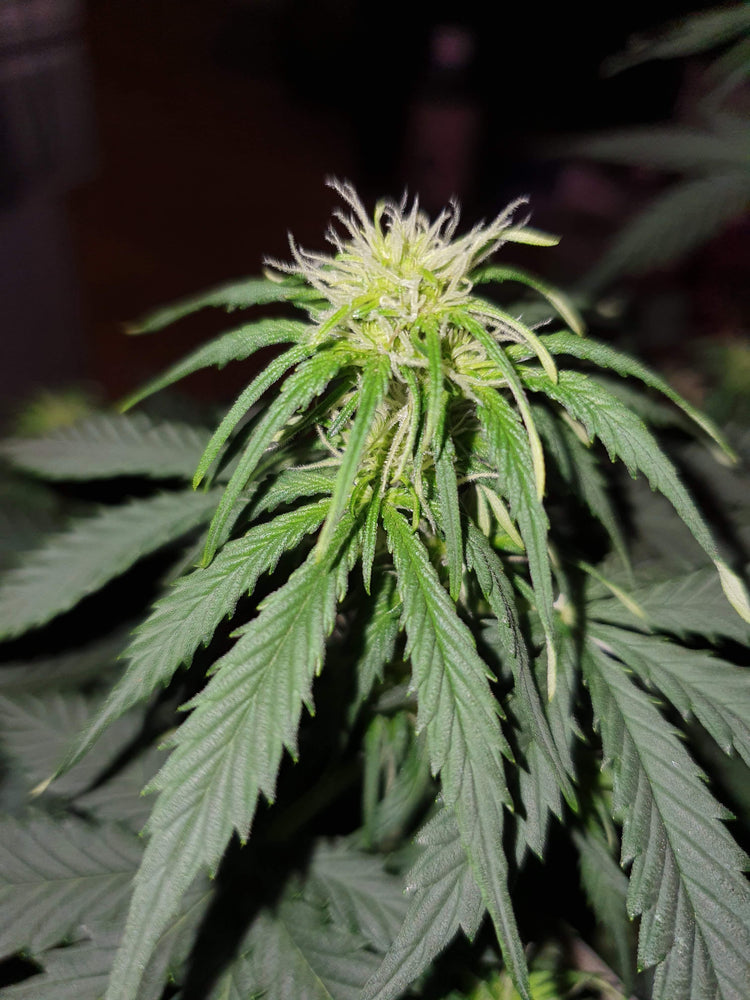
(150, 148)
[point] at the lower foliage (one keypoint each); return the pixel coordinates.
(410, 635)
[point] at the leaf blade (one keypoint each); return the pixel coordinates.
(93, 551)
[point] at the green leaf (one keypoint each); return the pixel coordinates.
(246, 399)
(581, 471)
(227, 753)
(697, 683)
(687, 880)
(370, 395)
(77, 971)
(460, 717)
(294, 951)
(235, 345)
(362, 896)
(92, 551)
(539, 786)
(498, 593)
(511, 454)
(58, 874)
(435, 401)
(292, 484)
(444, 898)
(89, 664)
(606, 887)
(450, 515)
(625, 436)
(37, 729)
(697, 32)
(605, 356)
(674, 148)
(189, 613)
(106, 445)
(689, 604)
(233, 295)
(677, 221)
(558, 301)
(379, 633)
(296, 393)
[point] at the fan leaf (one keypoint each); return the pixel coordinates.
(56, 875)
(687, 880)
(188, 615)
(74, 563)
(235, 345)
(228, 752)
(444, 899)
(105, 445)
(460, 717)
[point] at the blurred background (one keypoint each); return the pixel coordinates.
(151, 148)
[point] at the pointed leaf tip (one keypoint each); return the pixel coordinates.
(734, 589)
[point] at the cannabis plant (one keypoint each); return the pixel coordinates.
(707, 163)
(410, 520)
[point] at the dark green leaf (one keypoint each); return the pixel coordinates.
(58, 874)
(460, 717)
(444, 899)
(687, 880)
(227, 753)
(105, 445)
(189, 613)
(95, 549)
(697, 683)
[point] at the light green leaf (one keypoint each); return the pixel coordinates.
(460, 716)
(444, 899)
(435, 401)
(556, 299)
(235, 345)
(605, 356)
(58, 874)
(296, 393)
(687, 880)
(92, 551)
(106, 445)
(227, 753)
(189, 613)
(717, 693)
(369, 397)
(249, 396)
(233, 295)
(450, 515)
